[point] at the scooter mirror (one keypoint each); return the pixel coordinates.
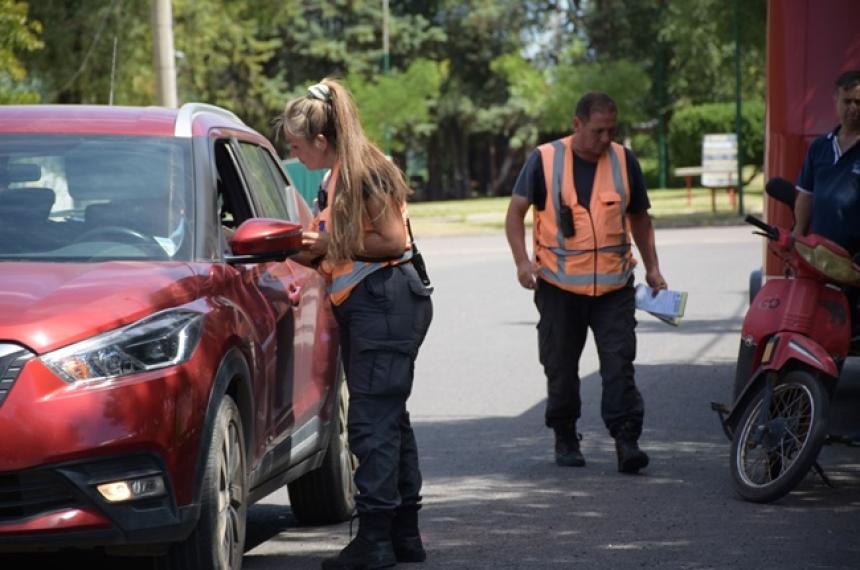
(781, 190)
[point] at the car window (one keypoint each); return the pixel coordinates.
(95, 197)
(291, 195)
(263, 184)
(233, 206)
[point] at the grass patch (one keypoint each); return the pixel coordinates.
(669, 208)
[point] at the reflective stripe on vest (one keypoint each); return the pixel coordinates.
(598, 258)
(345, 278)
(342, 277)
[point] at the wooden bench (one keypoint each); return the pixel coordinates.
(688, 172)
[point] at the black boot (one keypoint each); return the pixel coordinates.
(630, 458)
(371, 547)
(405, 535)
(567, 452)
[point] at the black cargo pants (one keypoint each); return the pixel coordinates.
(382, 324)
(565, 318)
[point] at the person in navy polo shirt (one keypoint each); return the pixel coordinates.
(828, 201)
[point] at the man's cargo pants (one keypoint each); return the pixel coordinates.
(565, 318)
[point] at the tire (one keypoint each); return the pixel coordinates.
(218, 540)
(795, 431)
(743, 369)
(754, 284)
(327, 495)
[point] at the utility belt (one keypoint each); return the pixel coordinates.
(417, 260)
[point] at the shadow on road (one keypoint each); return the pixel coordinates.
(495, 499)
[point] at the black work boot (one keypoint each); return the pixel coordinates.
(567, 452)
(371, 547)
(630, 458)
(405, 535)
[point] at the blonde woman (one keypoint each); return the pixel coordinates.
(363, 247)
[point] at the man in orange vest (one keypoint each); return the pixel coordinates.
(589, 196)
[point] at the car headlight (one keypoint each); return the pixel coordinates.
(163, 339)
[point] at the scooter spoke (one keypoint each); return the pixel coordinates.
(775, 466)
(758, 463)
(787, 403)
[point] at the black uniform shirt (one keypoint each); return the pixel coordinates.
(530, 183)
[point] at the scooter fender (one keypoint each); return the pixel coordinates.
(789, 347)
(793, 346)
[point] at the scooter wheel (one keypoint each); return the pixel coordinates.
(772, 453)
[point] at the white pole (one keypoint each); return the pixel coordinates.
(385, 35)
(112, 72)
(165, 66)
(385, 66)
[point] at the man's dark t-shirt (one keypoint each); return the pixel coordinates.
(833, 178)
(530, 183)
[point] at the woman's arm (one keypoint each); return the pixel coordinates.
(388, 237)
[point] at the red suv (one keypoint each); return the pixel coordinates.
(163, 364)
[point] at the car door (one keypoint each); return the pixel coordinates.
(261, 293)
(297, 395)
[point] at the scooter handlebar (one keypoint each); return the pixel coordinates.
(771, 231)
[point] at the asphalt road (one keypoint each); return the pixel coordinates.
(495, 499)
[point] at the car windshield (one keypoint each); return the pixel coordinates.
(95, 198)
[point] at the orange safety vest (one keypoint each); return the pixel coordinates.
(597, 259)
(342, 277)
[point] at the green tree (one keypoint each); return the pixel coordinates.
(223, 56)
(577, 74)
(465, 152)
(693, 122)
(697, 36)
(702, 39)
(78, 63)
(20, 35)
(691, 49)
(345, 40)
(512, 126)
(386, 105)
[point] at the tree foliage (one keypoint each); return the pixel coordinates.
(690, 124)
(223, 58)
(78, 65)
(470, 87)
(386, 107)
(20, 35)
(625, 80)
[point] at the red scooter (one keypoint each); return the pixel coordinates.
(794, 341)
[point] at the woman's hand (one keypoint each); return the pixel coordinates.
(315, 243)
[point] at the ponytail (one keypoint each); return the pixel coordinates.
(365, 172)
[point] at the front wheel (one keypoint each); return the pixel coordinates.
(217, 543)
(773, 451)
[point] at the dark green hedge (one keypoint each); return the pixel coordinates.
(690, 124)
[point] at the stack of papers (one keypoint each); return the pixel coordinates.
(666, 305)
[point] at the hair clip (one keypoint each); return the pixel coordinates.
(321, 92)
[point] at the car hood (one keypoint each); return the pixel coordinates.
(44, 306)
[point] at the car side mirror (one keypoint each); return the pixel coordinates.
(259, 240)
